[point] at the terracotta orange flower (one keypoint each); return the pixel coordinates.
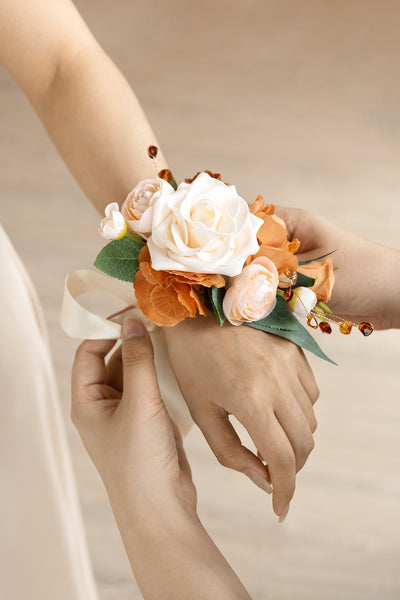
(168, 297)
(272, 237)
(323, 273)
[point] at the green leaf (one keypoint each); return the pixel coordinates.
(304, 280)
(320, 312)
(281, 318)
(324, 307)
(300, 337)
(119, 258)
(216, 296)
(305, 262)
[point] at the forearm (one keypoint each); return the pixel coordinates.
(98, 126)
(391, 290)
(85, 103)
(172, 556)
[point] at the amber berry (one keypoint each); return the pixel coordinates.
(366, 328)
(345, 327)
(325, 327)
(167, 175)
(152, 151)
(291, 275)
(288, 294)
(312, 322)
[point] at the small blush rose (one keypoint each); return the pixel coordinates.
(113, 226)
(303, 301)
(203, 227)
(138, 206)
(252, 294)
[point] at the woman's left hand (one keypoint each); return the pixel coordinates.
(123, 422)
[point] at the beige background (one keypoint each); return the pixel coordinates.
(299, 101)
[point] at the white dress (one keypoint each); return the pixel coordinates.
(43, 552)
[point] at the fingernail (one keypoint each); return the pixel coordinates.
(258, 480)
(132, 328)
(284, 513)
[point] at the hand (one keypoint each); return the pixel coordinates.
(367, 280)
(261, 379)
(123, 423)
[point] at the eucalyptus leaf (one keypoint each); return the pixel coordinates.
(304, 280)
(119, 258)
(300, 337)
(216, 296)
(306, 262)
(281, 318)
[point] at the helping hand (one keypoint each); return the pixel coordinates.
(123, 422)
(367, 279)
(265, 382)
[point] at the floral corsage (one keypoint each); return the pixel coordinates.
(197, 247)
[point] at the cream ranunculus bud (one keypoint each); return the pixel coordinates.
(138, 206)
(113, 226)
(252, 294)
(303, 301)
(203, 227)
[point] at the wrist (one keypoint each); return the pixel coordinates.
(137, 503)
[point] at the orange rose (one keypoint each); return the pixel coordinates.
(272, 237)
(168, 297)
(323, 273)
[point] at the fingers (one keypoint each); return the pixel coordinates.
(89, 366)
(276, 450)
(115, 370)
(139, 374)
(228, 449)
(298, 431)
(309, 385)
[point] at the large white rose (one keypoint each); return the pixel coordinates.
(203, 227)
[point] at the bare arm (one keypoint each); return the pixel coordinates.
(80, 96)
(102, 134)
(125, 427)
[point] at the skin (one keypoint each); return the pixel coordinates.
(118, 405)
(51, 53)
(147, 475)
(356, 296)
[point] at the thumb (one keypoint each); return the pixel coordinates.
(139, 373)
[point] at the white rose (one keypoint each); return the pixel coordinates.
(203, 227)
(138, 206)
(113, 226)
(303, 301)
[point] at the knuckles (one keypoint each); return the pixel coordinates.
(135, 356)
(227, 458)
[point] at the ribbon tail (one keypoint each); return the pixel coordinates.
(79, 322)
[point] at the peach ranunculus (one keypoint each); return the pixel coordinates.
(324, 277)
(252, 294)
(138, 206)
(168, 297)
(272, 238)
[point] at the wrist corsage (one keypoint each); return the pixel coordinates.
(197, 247)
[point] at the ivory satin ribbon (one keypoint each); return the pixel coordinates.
(79, 322)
